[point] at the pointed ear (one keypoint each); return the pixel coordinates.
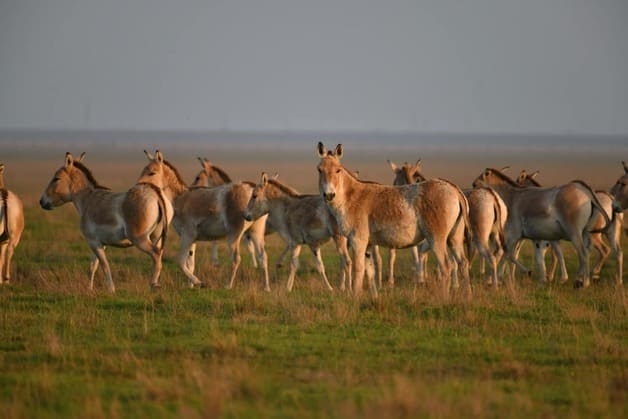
(321, 150)
(159, 158)
(503, 169)
(275, 176)
(417, 165)
(264, 179)
(625, 166)
(338, 152)
(207, 165)
(1, 168)
(393, 166)
(149, 156)
(81, 157)
(69, 160)
(533, 174)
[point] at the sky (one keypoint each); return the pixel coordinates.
(465, 66)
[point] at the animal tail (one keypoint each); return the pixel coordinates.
(163, 212)
(464, 214)
(595, 204)
(497, 209)
(4, 195)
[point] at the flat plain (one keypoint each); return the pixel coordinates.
(518, 351)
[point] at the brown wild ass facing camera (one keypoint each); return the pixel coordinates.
(11, 227)
(406, 175)
(560, 213)
(207, 214)
(210, 176)
(138, 217)
(612, 233)
(299, 219)
(391, 216)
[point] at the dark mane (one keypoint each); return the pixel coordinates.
(176, 173)
(505, 178)
(284, 188)
(225, 177)
(367, 182)
(90, 177)
(532, 181)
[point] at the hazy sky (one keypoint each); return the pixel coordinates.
(520, 66)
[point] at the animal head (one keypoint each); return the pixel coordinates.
(153, 172)
(407, 174)
(492, 177)
(330, 171)
(258, 203)
(210, 175)
(528, 179)
(69, 178)
(620, 191)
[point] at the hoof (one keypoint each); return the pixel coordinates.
(578, 284)
(155, 286)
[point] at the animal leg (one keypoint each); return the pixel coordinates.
(3, 262)
(215, 260)
(377, 262)
(359, 255)
(603, 249)
(186, 260)
(391, 266)
(282, 257)
(155, 252)
(93, 267)
(558, 259)
(444, 268)
(345, 261)
(320, 267)
(252, 251)
(540, 249)
(260, 252)
(294, 265)
(613, 234)
(420, 261)
(234, 248)
(99, 251)
(583, 256)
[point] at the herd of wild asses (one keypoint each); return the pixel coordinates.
(416, 212)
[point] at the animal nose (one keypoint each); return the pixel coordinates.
(248, 217)
(45, 205)
(329, 196)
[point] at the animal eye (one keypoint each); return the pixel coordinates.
(254, 196)
(319, 170)
(338, 171)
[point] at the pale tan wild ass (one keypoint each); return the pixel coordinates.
(562, 212)
(207, 214)
(612, 233)
(11, 227)
(391, 216)
(138, 217)
(406, 175)
(299, 219)
(210, 176)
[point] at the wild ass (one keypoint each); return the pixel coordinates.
(406, 175)
(391, 216)
(612, 233)
(138, 217)
(619, 191)
(210, 176)
(206, 214)
(562, 212)
(299, 219)
(11, 227)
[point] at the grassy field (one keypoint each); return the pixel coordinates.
(520, 351)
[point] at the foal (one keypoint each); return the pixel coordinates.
(138, 217)
(299, 219)
(11, 226)
(391, 216)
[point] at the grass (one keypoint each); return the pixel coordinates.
(520, 351)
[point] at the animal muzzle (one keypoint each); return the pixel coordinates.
(247, 216)
(45, 204)
(617, 206)
(329, 196)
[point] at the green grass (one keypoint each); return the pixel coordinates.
(520, 351)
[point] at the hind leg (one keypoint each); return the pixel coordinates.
(186, 260)
(345, 261)
(604, 251)
(320, 267)
(93, 267)
(391, 266)
(215, 260)
(99, 252)
(250, 245)
(155, 252)
(3, 262)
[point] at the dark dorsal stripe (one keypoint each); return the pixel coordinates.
(90, 177)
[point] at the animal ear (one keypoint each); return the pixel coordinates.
(149, 156)
(81, 157)
(322, 151)
(264, 179)
(417, 165)
(393, 166)
(533, 174)
(207, 165)
(159, 158)
(503, 169)
(338, 152)
(275, 176)
(1, 168)
(69, 160)
(625, 166)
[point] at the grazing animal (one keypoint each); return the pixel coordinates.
(406, 175)
(138, 217)
(299, 219)
(562, 212)
(210, 176)
(207, 214)
(391, 216)
(11, 227)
